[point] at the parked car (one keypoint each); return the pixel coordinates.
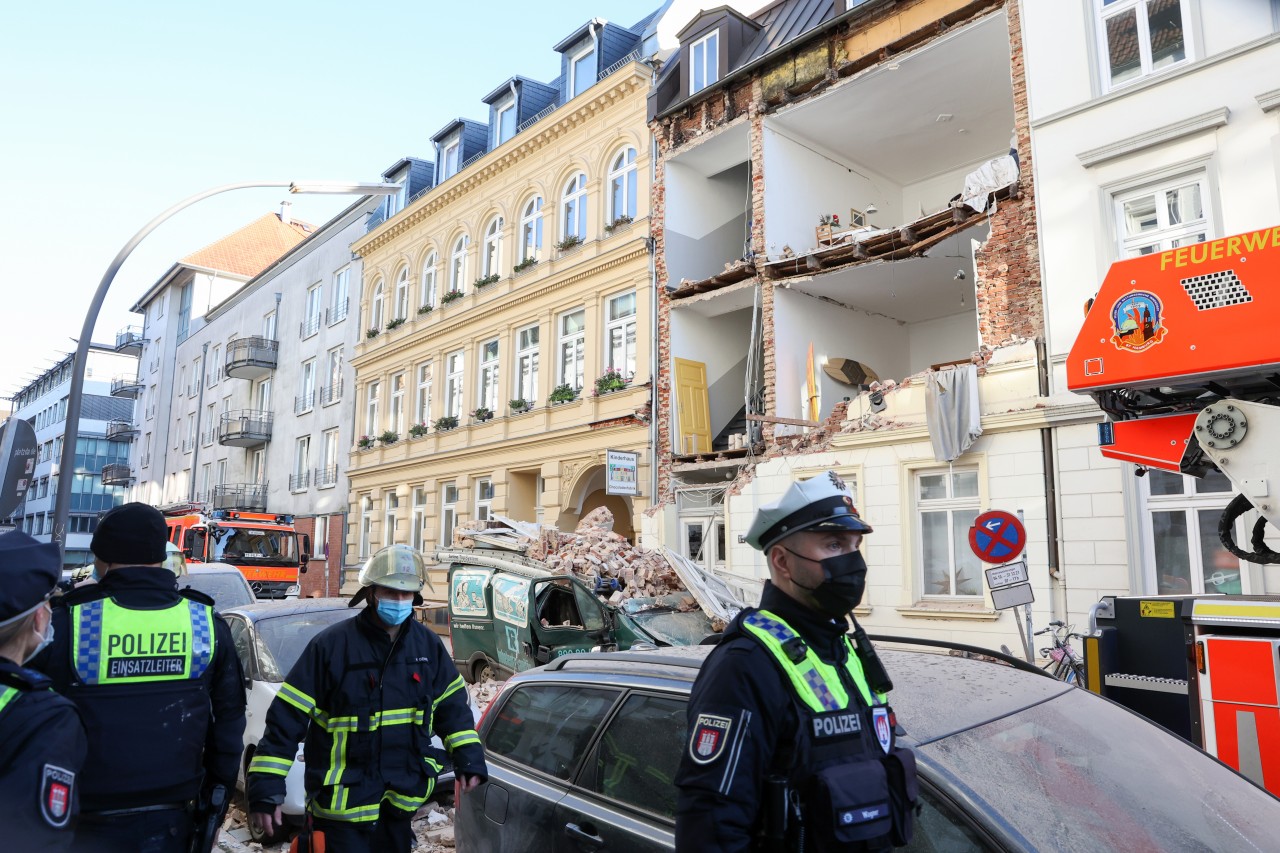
(269, 639)
(582, 753)
(222, 582)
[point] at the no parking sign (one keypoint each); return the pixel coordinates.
(997, 536)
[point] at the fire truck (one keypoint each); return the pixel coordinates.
(264, 546)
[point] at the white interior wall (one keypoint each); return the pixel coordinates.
(944, 339)
(835, 332)
(931, 194)
(705, 220)
(802, 183)
(721, 344)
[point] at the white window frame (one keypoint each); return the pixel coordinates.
(527, 358)
(1108, 10)
(422, 401)
(376, 304)
(372, 391)
(950, 505)
(455, 369)
(396, 420)
(448, 512)
(492, 260)
(390, 508)
(487, 361)
(573, 207)
(418, 531)
(622, 355)
(341, 291)
(269, 325)
(328, 459)
(262, 395)
(215, 364)
(258, 467)
(571, 351)
(307, 388)
(458, 265)
(366, 526)
(427, 288)
(402, 295)
(500, 114)
(334, 364)
(301, 460)
(1167, 234)
(315, 308)
(704, 62)
(575, 87)
(484, 499)
(1190, 503)
(450, 158)
(622, 185)
(531, 229)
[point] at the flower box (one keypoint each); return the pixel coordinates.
(389, 437)
(364, 442)
(451, 296)
(482, 414)
(418, 430)
(562, 394)
(445, 423)
(492, 278)
(569, 243)
(395, 324)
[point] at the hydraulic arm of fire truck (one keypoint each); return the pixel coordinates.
(1181, 349)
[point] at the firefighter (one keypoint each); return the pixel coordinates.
(791, 743)
(42, 741)
(155, 675)
(365, 697)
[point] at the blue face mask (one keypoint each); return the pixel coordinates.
(394, 612)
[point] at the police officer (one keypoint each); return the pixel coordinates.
(155, 675)
(42, 741)
(791, 744)
(366, 695)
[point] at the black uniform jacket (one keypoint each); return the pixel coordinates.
(149, 741)
(42, 748)
(366, 706)
(719, 803)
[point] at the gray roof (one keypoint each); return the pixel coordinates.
(785, 21)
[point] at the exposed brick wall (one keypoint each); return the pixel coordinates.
(662, 322)
(313, 581)
(1007, 267)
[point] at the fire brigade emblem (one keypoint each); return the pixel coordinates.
(55, 795)
(1137, 321)
(710, 734)
(883, 728)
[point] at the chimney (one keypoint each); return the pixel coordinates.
(285, 216)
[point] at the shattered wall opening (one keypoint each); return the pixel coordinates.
(708, 199)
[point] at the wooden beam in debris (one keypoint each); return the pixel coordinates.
(769, 419)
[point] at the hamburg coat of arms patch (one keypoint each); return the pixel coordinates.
(710, 734)
(55, 795)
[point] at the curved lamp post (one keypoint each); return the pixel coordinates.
(66, 465)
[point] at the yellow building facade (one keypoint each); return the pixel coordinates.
(531, 315)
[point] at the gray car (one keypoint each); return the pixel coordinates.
(582, 753)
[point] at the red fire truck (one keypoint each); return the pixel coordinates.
(264, 546)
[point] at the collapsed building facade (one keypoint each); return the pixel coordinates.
(847, 257)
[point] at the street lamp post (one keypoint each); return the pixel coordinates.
(66, 465)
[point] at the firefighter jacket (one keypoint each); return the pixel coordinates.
(782, 705)
(365, 707)
(156, 678)
(42, 747)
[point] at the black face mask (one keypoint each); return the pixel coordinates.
(845, 579)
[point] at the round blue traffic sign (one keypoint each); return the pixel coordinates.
(997, 536)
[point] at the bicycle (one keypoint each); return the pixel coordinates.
(1065, 663)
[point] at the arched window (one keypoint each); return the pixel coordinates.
(458, 265)
(622, 186)
(573, 208)
(402, 295)
(427, 292)
(531, 230)
(493, 248)
(375, 306)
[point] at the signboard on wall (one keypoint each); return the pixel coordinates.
(622, 473)
(17, 463)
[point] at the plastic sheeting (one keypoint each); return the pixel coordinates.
(951, 410)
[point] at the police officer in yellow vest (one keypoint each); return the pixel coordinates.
(42, 742)
(791, 741)
(155, 676)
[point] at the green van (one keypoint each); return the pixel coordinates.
(507, 613)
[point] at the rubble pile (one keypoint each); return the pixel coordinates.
(592, 552)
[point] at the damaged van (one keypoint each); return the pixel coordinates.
(508, 613)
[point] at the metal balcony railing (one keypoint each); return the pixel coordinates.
(251, 358)
(121, 430)
(326, 477)
(309, 326)
(245, 428)
(330, 393)
(337, 313)
(129, 340)
(304, 402)
(188, 444)
(126, 386)
(117, 474)
(298, 482)
(250, 497)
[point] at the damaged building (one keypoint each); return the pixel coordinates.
(848, 261)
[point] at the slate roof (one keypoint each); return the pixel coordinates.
(785, 21)
(252, 248)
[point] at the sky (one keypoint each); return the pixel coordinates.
(111, 113)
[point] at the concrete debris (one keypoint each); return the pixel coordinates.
(593, 553)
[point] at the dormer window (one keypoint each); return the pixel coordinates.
(449, 159)
(704, 62)
(504, 125)
(582, 71)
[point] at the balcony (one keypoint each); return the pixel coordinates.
(299, 482)
(121, 430)
(338, 312)
(117, 474)
(304, 402)
(129, 341)
(245, 428)
(310, 326)
(188, 445)
(251, 358)
(326, 477)
(126, 386)
(249, 497)
(330, 393)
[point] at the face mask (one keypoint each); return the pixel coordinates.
(845, 579)
(44, 640)
(394, 612)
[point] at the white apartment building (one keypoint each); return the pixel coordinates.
(102, 447)
(1155, 124)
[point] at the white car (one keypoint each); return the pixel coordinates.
(269, 638)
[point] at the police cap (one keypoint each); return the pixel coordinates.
(29, 570)
(131, 534)
(823, 502)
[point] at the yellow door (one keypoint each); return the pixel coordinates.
(693, 411)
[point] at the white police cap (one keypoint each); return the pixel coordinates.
(821, 503)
